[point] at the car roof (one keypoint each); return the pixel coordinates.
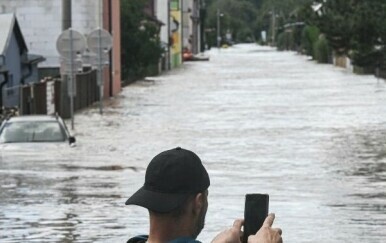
(32, 118)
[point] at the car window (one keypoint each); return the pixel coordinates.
(36, 131)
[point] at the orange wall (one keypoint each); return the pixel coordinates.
(115, 67)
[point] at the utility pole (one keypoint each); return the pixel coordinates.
(100, 66)
(66, 24)
(169, 58)
(273, 26)
(218, 29)
(66, 14)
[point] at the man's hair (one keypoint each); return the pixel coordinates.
(177, 212)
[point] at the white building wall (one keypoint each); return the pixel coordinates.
(41, 23)
(162, 12)
(186, 23)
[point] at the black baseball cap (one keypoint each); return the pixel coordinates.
(171, 177)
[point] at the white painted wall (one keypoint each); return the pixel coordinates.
(41, 23)
(162, 11)
(187, 30)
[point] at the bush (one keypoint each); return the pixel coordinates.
(310, 35)
(368, 59)
(321, 50)
(285, 41)
(141, 47)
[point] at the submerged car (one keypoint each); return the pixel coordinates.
(35, 129)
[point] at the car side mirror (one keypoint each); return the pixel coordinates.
(72, 140)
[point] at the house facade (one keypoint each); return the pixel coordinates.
(175, 32)
(183, 27)
(41, 21)
(163, 14)
(191, 25)
(17, 66)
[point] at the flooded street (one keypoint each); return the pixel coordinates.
(311, 136)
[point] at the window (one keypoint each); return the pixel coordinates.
(174, 4)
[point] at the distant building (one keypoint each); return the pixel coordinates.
(163, 14)
(175, 32)
(183, 27)
(41, 21)
(191, 25)
(17, 66)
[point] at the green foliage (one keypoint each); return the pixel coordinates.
(246, 19)
(285, 41)
(354, 27)
(310, 35)
(350, 27)
(371, 58)
(237, 16)
(141, 47)
(322, 50)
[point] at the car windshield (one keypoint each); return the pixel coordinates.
(32, 131)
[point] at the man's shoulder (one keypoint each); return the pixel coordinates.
(143, 239)
(184, 240)
(138, 239)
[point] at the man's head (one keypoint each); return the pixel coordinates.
(176, 184)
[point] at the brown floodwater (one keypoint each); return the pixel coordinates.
(311, 136)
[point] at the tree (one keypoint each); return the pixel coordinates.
(141, 47)
(353, 28)
(247, 18)
(238, 17)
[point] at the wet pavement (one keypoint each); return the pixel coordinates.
(312, 136)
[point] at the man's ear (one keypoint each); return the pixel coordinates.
(199, 201)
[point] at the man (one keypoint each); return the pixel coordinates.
(176, 194)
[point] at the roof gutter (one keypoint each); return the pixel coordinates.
(29, 65)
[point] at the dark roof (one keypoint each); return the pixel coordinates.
(154, 20)
(33, 59)
(3, 70)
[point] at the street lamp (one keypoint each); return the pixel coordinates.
(219, 15)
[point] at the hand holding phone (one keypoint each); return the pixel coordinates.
(255, 212)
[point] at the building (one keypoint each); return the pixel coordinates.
(191, 25)
(150, 11)
(175, 32)
(163, 14)
(41, 21)
(182, 29)
(17, 66)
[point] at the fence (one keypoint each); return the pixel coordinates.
(50, 96)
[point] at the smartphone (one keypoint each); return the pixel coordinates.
(255, 212)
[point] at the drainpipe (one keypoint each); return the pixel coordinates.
(182, 30)
(5, 75)
(169, 36)
(66, 24)
(111, 68)
(2, 84)
(29, 74)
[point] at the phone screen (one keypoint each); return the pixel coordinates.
(255, 212)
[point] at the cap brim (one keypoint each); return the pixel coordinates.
(156, 201)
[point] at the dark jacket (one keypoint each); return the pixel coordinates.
(143, 239)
